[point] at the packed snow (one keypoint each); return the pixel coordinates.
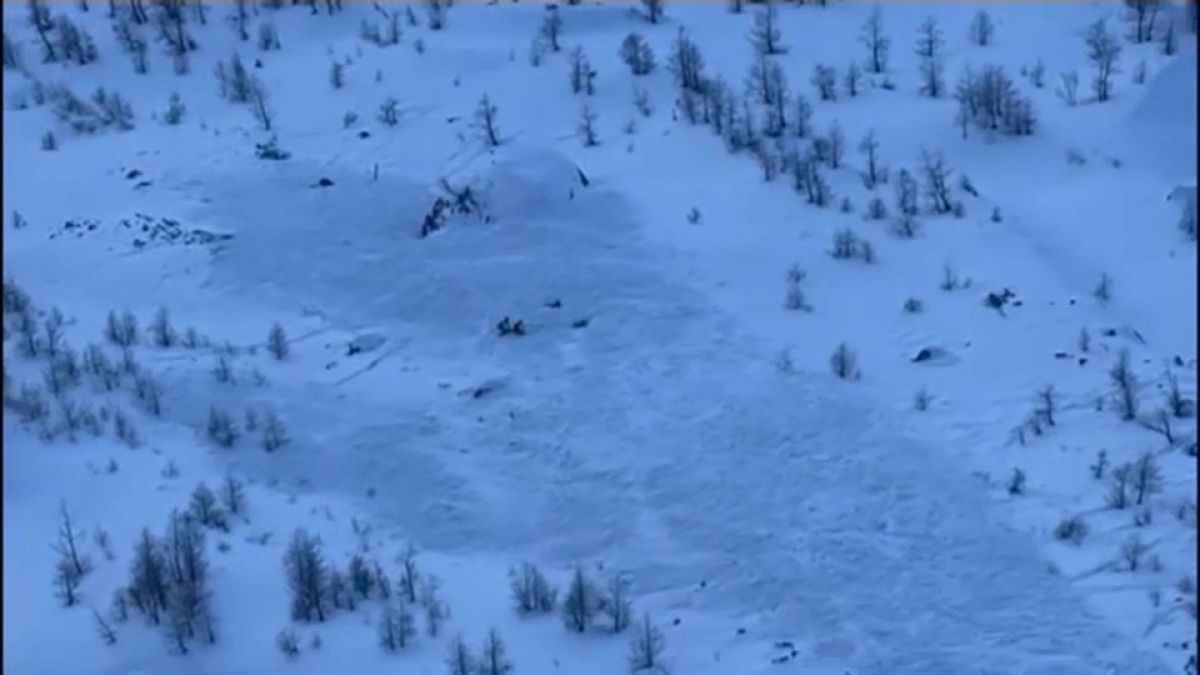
(683, 347)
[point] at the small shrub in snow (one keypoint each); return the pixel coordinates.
(409, 575)
(493, 656)
(13, 58)
(1143, 517)
(507, 326)
(436, 13)
(389, 112)
(221, 428)
(581, 602)
(162, 333)
(922, 399)
(1047, 404)
(268, 37)
(783, 361)
(852, 79)
(844, 363)
(876, 209)
(906, 193)
(1147, 478)
(1119, 486)
(24, 324)
(1100, 465)
(148, 393)
(288, 642)
(1160, 422)
(905, 226)
(990, 101)
(73, 564)
(645, 653)
(1073, 530)
(1139, 73)
(307, 576)
(875, 173)
(175, 111)
(223, 370)
(397, 627)
(1068, 89)
(913, 306)
(1084, 341)
(1125, 381)
(459, 659)
(765, 36)
(1103, 51)
(1186, 586)
(637, 54)
(124, 430)
(1168, 44)
(616, 603)
(66, 582)
(74, 42)
(581, 75)
(274, 436)
(551, 28)
(485, 122)
(928, 49)
(795, 299)
(847, 245)
(436, 609)
(641, 101)
(104, 630)
(277, 342)
(982, 29)
(824, 80)
(950, 280)
(30, 404)
(1132, 552)
(1177, 403)
(360, 577)
(537, 51)
(233, 496)
(1016, 482)
(587, 126)
(206, 509)
(103, 111)
(937, 186)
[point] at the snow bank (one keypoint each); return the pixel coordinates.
(533, 183)
(1163, 126)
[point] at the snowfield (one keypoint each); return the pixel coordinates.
(612, 358)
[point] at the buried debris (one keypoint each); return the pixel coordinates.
(997, 301)
(508, 326)
(460, 201)
(366, 342)
(270, 150)
(932, 354)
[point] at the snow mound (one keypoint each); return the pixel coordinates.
(533, 183)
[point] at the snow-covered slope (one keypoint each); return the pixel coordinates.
(664, 417)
